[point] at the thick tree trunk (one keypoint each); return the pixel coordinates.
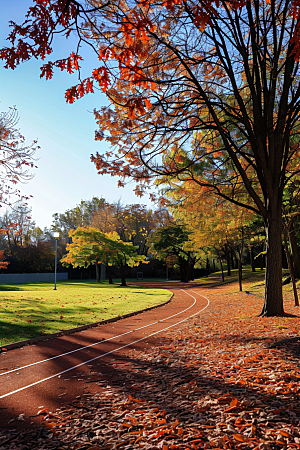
(184, 269)
(122, 273)
(295, 251)
(273, 305)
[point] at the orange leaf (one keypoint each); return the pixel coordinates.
(284, 433)
(50, 424)
(239, 437)
(234, 402)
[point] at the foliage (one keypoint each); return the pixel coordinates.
(26, 247)
(16, 158)
(174, 241)
(208, 93)
(3, 264)
(80, 216)
(91, 246)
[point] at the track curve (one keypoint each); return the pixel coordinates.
(31, 376)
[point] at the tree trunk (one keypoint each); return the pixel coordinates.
(240, 250)
(240, 271)
(207, 267)
(273, 305)
(291, 268)
(110, 281)
(295, 251)
(252, 260)
(97, 272)
(102, 272)
(220, 259)
(262, 257)
(184, 270)
(122, 273)
(228, 263)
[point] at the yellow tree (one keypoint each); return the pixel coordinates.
(91, 246)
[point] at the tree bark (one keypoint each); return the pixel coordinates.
(220, 259)
(184, 269)
(273, 305)
(228, 262)
(240, 250)
(252, 259)
(295, 251)
(122, 273)
(97, 272)
(110, 281)
(291, 268)
(207, 267)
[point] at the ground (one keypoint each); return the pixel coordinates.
(224, 379)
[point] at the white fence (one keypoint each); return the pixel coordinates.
(11, 278)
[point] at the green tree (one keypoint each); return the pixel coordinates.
(173, 240)
(91, 246)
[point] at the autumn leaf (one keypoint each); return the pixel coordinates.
(239, 437)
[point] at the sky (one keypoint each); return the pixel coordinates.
(65, 133)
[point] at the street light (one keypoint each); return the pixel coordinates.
(56, 236)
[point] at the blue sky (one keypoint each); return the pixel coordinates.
(64, 132)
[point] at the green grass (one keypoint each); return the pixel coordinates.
(33, 309)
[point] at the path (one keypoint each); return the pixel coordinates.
(68, 370)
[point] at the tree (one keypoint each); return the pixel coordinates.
(90, 246)
(3, 264)
(174, 241)
(26, 247)
(207, 92)
(16, 158)
(79, 216)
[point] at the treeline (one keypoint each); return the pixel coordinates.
(197, 233)
(27, 248)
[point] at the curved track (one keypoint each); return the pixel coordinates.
(54, 372)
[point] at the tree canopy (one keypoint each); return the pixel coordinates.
(90, 246)
(16, 158)
(202, 91)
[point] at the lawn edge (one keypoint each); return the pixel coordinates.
(18, 344)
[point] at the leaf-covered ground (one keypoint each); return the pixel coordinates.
(223, 380)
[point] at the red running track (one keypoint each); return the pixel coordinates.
(54, 372)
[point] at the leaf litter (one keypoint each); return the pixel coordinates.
(226, 379)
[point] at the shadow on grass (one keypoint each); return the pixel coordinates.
(10, 287)
(11, 332)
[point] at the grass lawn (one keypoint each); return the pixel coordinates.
(33, 309)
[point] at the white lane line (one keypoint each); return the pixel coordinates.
(111, 351)
(95, 343)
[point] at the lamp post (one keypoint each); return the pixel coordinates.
(56, 236)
